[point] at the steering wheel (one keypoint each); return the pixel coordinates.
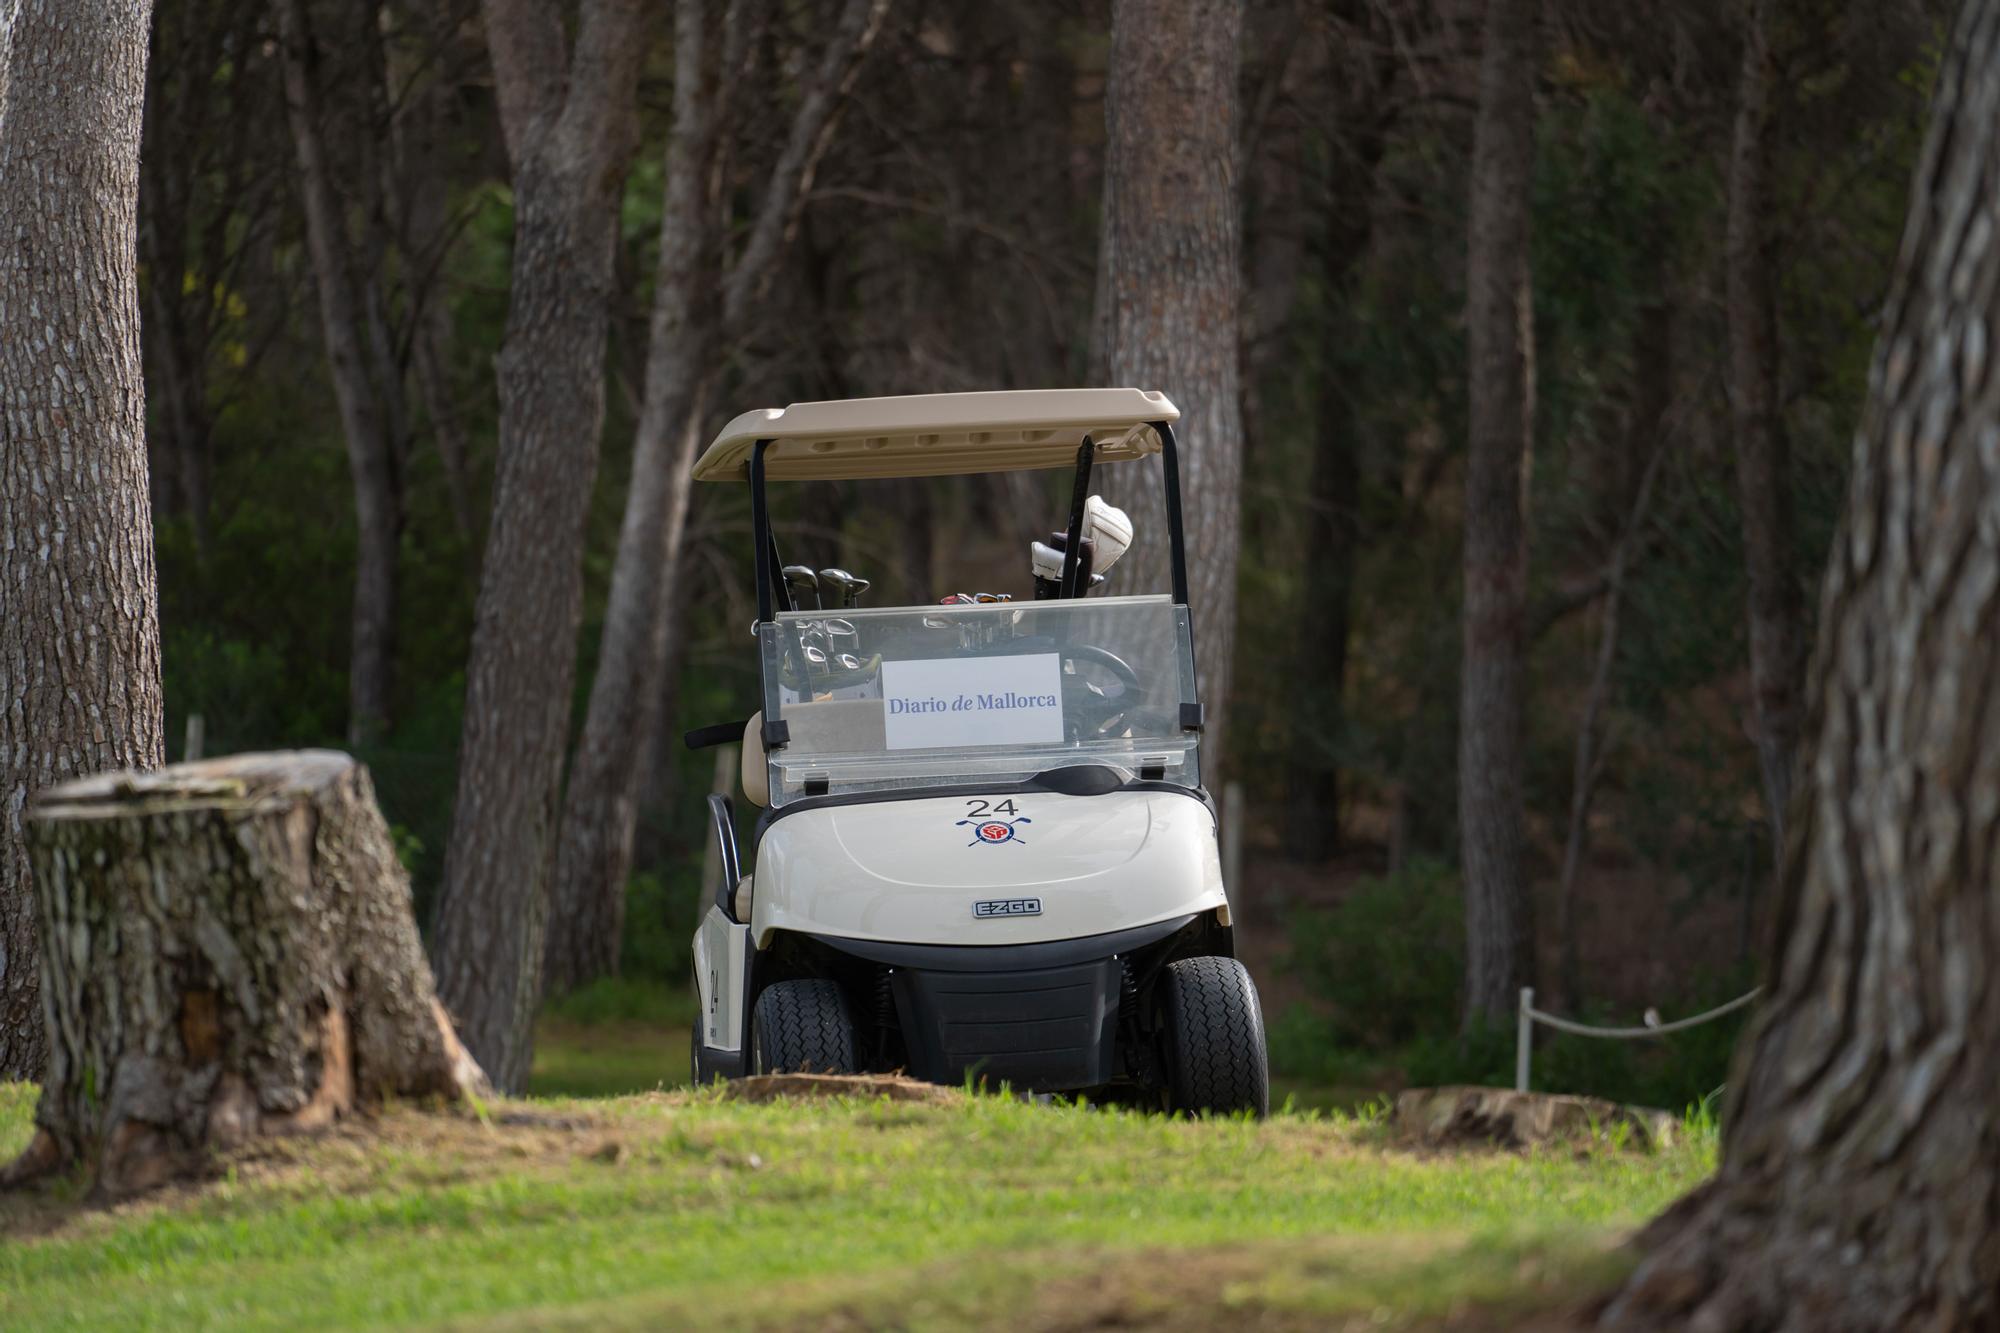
(1099, 690)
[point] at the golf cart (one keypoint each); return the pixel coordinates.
(985, 851)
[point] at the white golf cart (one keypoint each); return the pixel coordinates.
(985, 850)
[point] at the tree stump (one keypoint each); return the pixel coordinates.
(227, 950)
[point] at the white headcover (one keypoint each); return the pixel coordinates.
(1109, 529)
(1047, 561)
(1106, 527)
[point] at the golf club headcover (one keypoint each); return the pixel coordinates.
(1108, 529)
(1047, 561)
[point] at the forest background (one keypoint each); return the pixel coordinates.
(909, 196)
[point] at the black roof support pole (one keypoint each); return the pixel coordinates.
(1080, 492)
(769, 579)
(1170, 468)
(1170, 465)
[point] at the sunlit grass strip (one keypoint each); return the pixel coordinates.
(698, 1204)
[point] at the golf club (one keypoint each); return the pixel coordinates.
(838, 587)
(802, 580)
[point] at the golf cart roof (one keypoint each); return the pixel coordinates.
(938, 434)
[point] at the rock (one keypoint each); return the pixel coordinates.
(1500, 1117)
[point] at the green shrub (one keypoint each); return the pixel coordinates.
(1387, 961)
(660, 918)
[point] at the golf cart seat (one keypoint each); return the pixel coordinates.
(740, 901)
(824, 726)
(756, 771)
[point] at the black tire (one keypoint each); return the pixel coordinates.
(802, 1027)
(1213, 1033)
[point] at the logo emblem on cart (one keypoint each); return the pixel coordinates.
(1008, 907)
(995, 830)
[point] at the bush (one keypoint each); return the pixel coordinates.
(1387, 961)
(660, 919)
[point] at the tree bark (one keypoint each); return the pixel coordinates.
(7, 8)
(1858, 1187)
(1499, 914)
(692, 316)
(570, 125)
(1169, 285)
(232, 954)
(79, 621)
(1762, 469)
(371, 462)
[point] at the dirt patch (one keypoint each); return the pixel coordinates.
(1458, 1117)
(894, 1087)
(393, 1147)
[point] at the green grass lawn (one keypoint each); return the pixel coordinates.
(666, 1210)
(612, 1038)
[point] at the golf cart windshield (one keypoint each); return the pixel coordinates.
(944, 695)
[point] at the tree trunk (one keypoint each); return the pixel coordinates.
(1169, 286)
(600, 809)
(1499, 914)
(1762, 472)
(370, 458)
(570, 130)
(1858, 1181)
(234, 956)
(7, 8)
(601, 806)
(79, 621)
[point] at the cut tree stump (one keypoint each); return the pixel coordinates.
(227, 950)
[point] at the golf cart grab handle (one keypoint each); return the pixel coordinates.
(715, 733)
(776, 734)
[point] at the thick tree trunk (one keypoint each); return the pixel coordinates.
(1762, 472)
(1499, 914)
(370, 457)
(600, 806)
(1169, 285)
(232, 954)
(7, 8)
(79, 622)
(602, 802)
(1860, 1182)
(570, 128)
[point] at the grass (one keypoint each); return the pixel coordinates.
(679, 1209)
(613, 1037)
(607, 1202)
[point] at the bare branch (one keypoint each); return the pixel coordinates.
(811, 131)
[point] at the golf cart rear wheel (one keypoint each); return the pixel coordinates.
(1213, 1033)
(802, 1027)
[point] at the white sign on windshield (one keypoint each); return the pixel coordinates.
(941, 701)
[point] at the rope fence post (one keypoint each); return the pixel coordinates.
(1528, 1016)
(1524, 1037)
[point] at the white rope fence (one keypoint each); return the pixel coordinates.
(1524, 1028)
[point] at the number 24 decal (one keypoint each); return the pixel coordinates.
(978, 809)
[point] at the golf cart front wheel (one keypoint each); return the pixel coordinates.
(1213, 1028)
(802, 1027)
